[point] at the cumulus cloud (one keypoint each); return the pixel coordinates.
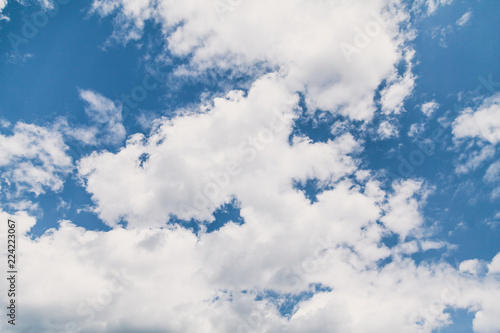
(399, 87)
(107, 274)
(192, 164)
(482, 123)
(403, 212)
(328, 258)
(240, 147)
(429, 108)
(33, 159)
(3, 3)
(302, 39)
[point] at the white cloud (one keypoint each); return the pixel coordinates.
(85, 135)
(335, 241)
(299, 38)
(239, 147)
(194, 163)
(387, 130)
(107, 274)
(399, 87)
(464, 19)
(475, 159)
(483, 123)
(473, 266)
(34, 159)
(105, 113)
(429, 108)
(403, 208)
(3, 3)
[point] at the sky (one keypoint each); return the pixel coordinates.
(252, 166)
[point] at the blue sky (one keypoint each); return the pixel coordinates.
(121, 123)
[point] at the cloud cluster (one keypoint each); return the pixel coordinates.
(184, 283)
(33, 159)
(241, 146)
(341, 263)
(429, 108)
(192, 164)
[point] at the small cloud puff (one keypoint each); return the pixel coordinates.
(429, 108)
(106, 114)
(465, 19)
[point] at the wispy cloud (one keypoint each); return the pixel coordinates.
(465, 19)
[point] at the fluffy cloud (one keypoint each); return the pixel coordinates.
(33, 159)
(483, 123)
(336, 52)
(110, 281)
(3, 3)
(330, 256)
(194, 163)
(240, 147)
(399, 87)
(493, 172)
(403, 213)
(429, 108)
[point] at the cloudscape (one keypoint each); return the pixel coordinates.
(212, 166)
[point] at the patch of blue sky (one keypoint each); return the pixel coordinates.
(462, 322)
(287, 302)
(228, 212)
